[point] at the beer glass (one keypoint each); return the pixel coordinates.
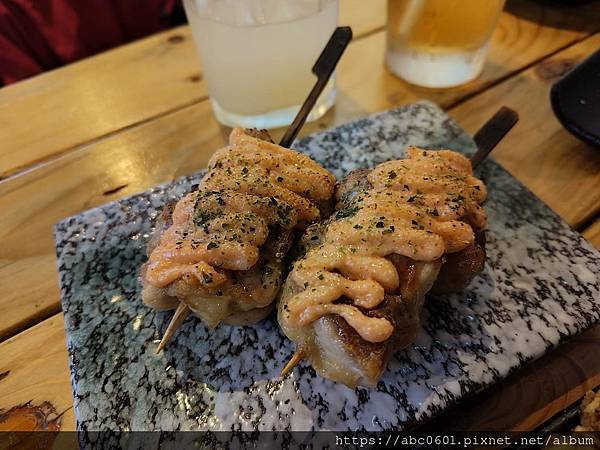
(440, 43)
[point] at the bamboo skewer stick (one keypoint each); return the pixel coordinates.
(492, 132)
(296, 358)
(180, 315)
(323, 69)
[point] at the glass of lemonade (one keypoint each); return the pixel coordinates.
(440, 43)
(257, 56)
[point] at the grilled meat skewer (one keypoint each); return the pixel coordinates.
(219, 251)
(399, 230)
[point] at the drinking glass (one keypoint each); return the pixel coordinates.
(440, 43)
(257, 56)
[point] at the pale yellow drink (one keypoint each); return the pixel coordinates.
(440, 43)
(257, 56)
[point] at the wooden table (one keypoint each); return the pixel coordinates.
(128, 119)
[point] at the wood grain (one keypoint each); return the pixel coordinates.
(56, 111)
(531, 396)
(62, 109)
(34, 369)
(592, 233)
(31, 294)
(560, 169)
(174, 144)
(112, 168)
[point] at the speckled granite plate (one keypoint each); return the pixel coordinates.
(539, 287)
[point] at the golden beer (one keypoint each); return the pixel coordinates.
(440, 43)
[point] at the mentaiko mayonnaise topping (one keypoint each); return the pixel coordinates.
(251, 186)
(420, 207)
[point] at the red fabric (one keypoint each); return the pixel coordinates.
(37, 35)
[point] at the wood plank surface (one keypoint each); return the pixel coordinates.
(38, 372)
(79, 103)
(58, 110)
(174, 144)
(531, 396)
(61, 109)
(592, 233)
(123, 164)
(34, 371)
(556, 166)
(29, 290)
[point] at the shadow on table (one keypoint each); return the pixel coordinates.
(574, 15)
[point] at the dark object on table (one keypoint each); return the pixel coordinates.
(492, 132)
(575, 99)
(565, 2)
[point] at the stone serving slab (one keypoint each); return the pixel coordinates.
(539, 287)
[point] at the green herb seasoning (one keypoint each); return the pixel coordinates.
(348, 212)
